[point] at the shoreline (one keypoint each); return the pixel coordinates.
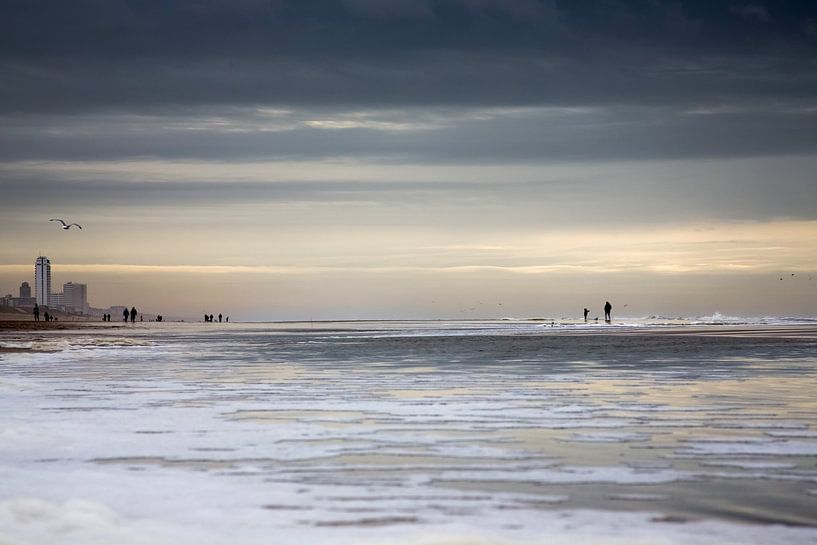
(801, 331)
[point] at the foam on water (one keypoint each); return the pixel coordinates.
(409, 434)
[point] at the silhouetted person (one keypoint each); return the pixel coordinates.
(228, 319)
(586, 312)
(47, 316)
(133, 315)
(141, 318)
(607, 309)
(206, 318)
(219, 317)
(125, 315)
(211, 318)
(36, 313)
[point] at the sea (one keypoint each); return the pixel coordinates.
(651, 431)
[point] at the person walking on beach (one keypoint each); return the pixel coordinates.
(125, 315)
(47, 316)
(133, 315)
(586, 312)
(211, 318)
(219, 317)
(36, 313)
(608, 308)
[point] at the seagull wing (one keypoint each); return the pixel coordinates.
(77, 224)
(59, 220)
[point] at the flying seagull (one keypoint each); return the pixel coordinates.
(66, 226)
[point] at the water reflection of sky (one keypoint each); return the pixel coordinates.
(340, 435)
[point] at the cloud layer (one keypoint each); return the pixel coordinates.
(465, 139)
(92, 54)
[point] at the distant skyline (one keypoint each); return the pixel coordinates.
(321, 159)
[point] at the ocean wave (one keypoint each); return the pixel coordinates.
(720, 319)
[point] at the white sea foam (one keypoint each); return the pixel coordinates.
(201, 437)
(608, 437)
(719, 319)
(619, 475)
(779, 448)
(82, 522)
(748, 464)
(638, 497)
(792, 433)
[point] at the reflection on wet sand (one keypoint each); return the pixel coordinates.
(363, 431)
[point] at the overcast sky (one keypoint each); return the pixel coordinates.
(287, 159)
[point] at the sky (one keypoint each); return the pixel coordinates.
(316, 159)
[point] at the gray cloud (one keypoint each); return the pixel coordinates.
(413, 136)
(426, 82)
(657, 192)
(756, 11)
(114, 54)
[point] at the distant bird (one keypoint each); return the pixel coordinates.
(66, 226)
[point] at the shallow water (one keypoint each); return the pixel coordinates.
(407, 433)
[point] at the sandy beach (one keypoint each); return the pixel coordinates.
(31, 325)
(798, 331)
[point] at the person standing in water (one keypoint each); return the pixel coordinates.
(608, 308)
(586, 312)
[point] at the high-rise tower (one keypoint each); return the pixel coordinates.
(42, 280)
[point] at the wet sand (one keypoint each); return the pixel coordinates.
(411, 433)
(31, 325)
(768, 331)
(23, 330)
(16, 324)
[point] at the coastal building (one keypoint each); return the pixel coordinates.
(74, 298)
(24, 301)
(42, 280)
